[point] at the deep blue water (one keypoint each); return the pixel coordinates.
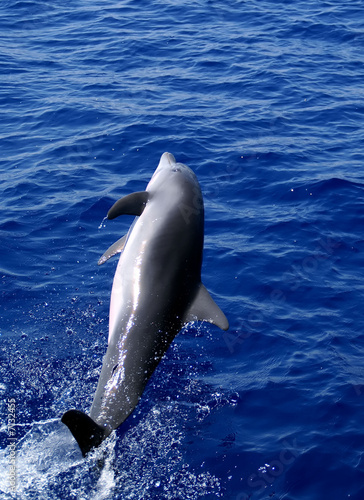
(264, 101)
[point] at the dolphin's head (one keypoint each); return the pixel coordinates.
(167, 161)
(171, 172)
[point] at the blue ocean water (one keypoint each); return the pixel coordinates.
(264, 101)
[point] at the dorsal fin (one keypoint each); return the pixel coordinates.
(115, 248)
(87, 433)
(204, 308)
(131, 204)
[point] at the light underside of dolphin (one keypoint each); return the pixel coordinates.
(157, 289)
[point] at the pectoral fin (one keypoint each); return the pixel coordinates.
(117, 247)
(132, 204)
(204, 308)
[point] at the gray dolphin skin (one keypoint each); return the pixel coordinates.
(157, 289)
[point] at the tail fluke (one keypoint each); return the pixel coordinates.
(87, 433)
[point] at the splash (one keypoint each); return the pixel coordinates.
(50, 465)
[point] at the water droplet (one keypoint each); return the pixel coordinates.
(102, 223)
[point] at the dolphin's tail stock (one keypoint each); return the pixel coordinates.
(87, 433)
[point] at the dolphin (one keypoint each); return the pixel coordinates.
(157, 289)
